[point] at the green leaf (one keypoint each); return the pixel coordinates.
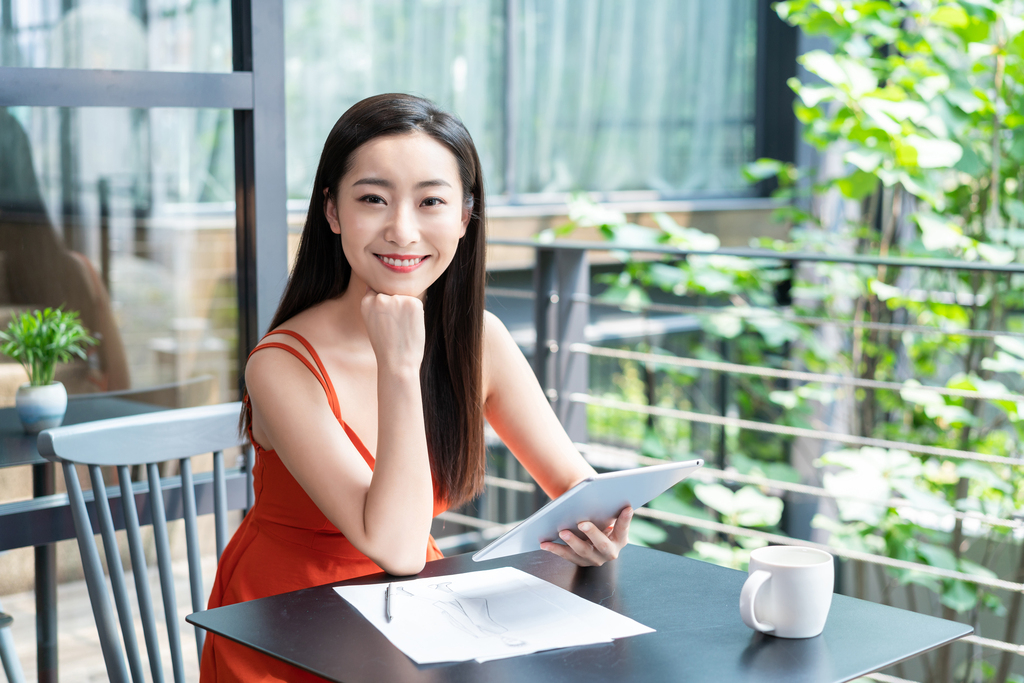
(937, 556)
(975, 569)
(922, 579)
(586, 213)
(762, 169)
(670, 502)
(937, 232)
(666, 276)
(994, 605)
(856, 492)
(950, 16)
(746, 507)
(1003, 362)
(813, 95)
(628, 297)
(723, 555)
(685, 238)
(774, 330)
(843, 72)
(1012, 345)
(959, 596)
(645, 533)
(786, 399)
(933, 153)
(966, 100)
(725, 325)
(858, 184)
(864, 159)
(1015, 209)
(717, 497)
(913, 392)
(999, 254)
(631, 234)
(755, 509)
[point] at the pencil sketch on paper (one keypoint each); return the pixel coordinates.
(471, 615)
(484, 615)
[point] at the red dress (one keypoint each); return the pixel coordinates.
(285, 543)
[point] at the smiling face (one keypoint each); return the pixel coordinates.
(400, 213)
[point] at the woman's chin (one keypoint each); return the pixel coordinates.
(391, 290)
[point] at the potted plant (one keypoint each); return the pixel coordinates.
(39, 340)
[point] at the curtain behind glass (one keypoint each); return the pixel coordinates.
(162, 35)
(621, 95)
(338, 52)
(612, 95)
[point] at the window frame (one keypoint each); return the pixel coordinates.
(254, 90)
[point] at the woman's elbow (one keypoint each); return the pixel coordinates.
(398, 566)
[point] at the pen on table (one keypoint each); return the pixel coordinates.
(387, 602)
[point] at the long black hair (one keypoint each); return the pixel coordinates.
(450, 375)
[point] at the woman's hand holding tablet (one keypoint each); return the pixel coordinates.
(599, 545)
(589, 523)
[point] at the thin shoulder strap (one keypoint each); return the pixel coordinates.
(319, 371)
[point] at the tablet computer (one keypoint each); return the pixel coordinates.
(597, 499)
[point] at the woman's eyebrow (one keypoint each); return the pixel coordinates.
(381, 182)
(436, 182)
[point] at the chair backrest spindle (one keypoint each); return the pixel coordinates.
(116, 571)
(220, 502)
(110, 644)
(195, 567)
(163, 561)
(140, 571)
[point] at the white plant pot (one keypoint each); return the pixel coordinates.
(41, 408)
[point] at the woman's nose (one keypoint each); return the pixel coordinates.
(402, 229)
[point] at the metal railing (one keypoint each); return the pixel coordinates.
(561, 300)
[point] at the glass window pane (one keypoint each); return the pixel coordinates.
(621, 95)
(339, 52)
(126, 216)
(159, 35)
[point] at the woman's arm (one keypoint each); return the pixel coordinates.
(517, 409)
(385, 514)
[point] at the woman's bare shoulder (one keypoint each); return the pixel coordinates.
(272, 364)
(498, 345)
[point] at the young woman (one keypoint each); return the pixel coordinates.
(366, 401)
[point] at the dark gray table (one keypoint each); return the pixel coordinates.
(694, 606)
(18, 448)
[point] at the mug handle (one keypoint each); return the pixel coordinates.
(747, 597)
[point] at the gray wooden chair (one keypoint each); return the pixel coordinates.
(9, 658)
(145, 440)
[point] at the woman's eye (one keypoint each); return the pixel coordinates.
(372, 199)
(433, 201)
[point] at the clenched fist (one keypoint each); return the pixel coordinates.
(395, 326)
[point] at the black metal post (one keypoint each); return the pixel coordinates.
(544, 308)
(723, 403)
(44, 484)
(573, 374)
(775, 123)
(544, 298)
(103, 190)
(261, 216)
(245, 195)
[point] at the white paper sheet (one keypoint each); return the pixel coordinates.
(485, 615)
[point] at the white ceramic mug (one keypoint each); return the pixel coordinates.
(788, 591)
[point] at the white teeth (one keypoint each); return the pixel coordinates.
(400, 262)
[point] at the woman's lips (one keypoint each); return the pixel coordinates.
(401, 263)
